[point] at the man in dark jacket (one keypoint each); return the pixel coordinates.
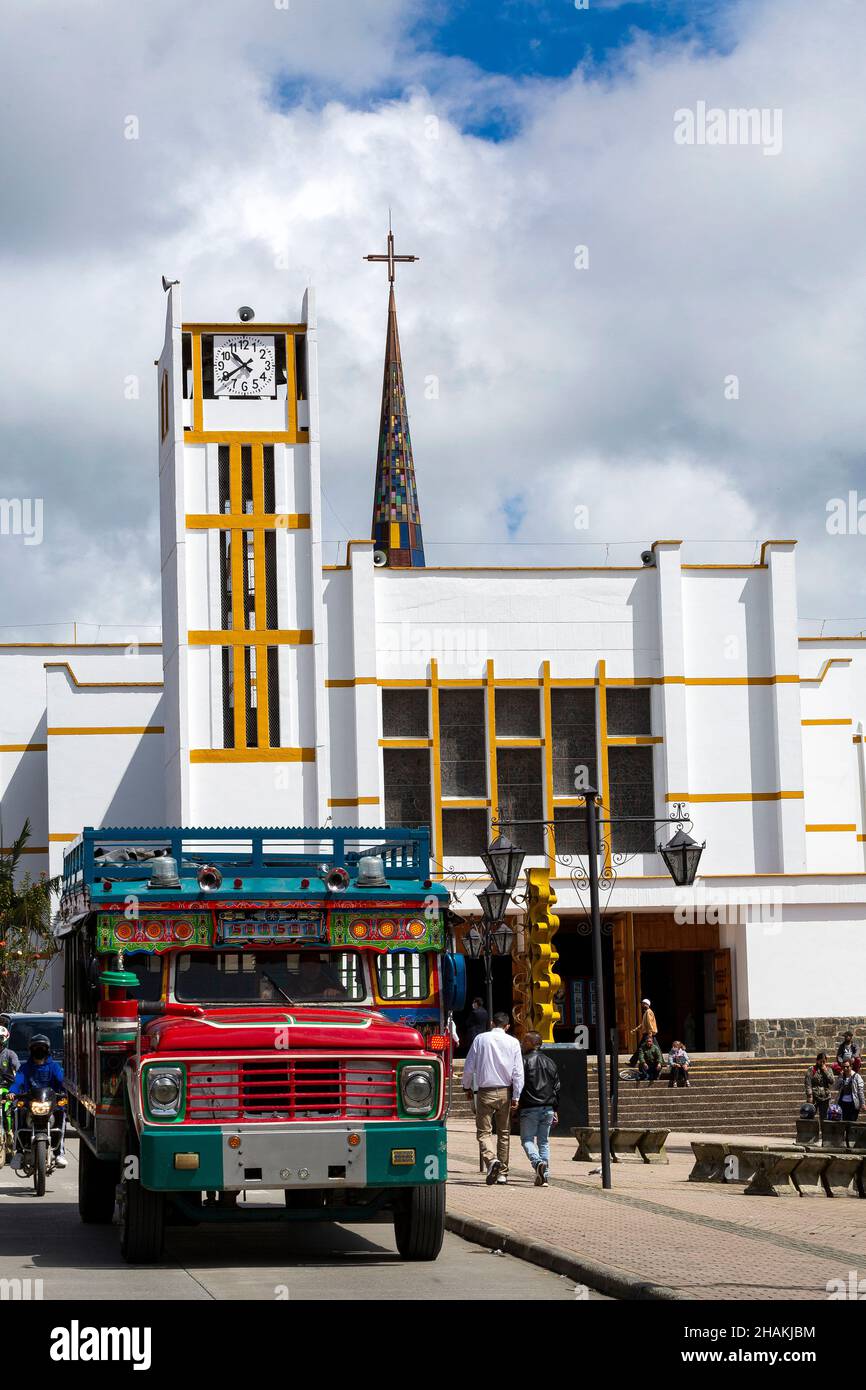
(538, 1105)
(477, 1021)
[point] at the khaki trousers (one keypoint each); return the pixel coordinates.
(493, 1108)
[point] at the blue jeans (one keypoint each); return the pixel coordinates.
(535, 1123)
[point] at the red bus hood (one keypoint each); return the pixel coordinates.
(287, 1027)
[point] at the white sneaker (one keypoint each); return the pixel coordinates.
(60, 1161)
(501, 1180)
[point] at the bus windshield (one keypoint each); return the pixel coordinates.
(270, 977)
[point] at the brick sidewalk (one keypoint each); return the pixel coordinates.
(698, 1239)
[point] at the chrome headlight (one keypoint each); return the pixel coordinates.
(164, 1090)
(40, 1107)
(418, 1089)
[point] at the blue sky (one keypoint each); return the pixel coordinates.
(523, 41)
(549, 38)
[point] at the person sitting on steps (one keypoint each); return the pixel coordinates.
(679, 1063)
(649, 1060)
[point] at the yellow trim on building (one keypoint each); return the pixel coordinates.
(67, 732)
(490, 710)
(764, 545)
(604, 745)
(251, 637)
(547, 745)
(351, 682)
(812, 723)
(23, 747)
(437, 850)
(100, 685)
(252, 755)
(405, 743)
(734, 796)
(58, 839)
(237, 330)
(846, 828)
(633, 740)
(465, 803)
(353, 801)
(249, 521)
(830, 661)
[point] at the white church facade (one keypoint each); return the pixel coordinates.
(385, 691)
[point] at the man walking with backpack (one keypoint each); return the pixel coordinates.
(538, 1104)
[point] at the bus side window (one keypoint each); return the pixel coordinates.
(402, 975)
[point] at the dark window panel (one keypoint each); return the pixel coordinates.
(228, 698)
(628, 711)
(518, 714)
(407, 786)
(405, 714)
(462, 743)
(521, 796)
(464, 832)
(632, 793)
(273, 697)
(574, 739)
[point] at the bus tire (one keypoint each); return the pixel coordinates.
(419, 1222)
(97, 1186)
(142, 1223)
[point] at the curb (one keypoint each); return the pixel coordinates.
(601, 1278)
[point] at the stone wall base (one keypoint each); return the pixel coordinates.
(796, 1037)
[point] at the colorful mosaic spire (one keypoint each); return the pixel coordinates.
(396, 517)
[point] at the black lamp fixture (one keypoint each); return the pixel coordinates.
(503, 861)
(493, 902)
(502, 938)
(473, 943)
(682, 855)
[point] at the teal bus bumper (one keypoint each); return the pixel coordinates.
(198, 1158)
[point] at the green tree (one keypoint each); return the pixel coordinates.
(27, 942)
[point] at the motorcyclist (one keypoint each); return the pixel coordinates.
(8, 1059)
(40, 1069)
(8, 1068)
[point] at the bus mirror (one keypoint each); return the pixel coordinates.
(453, 982)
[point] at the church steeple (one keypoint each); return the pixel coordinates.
(396, 516)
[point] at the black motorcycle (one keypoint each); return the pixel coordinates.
(38, 1134)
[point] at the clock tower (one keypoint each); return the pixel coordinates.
(246, 717)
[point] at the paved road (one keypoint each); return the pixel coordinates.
(42, 1238)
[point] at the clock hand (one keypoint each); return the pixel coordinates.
(228, 375)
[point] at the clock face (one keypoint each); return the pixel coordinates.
(243, 365)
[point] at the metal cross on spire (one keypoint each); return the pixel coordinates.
(390, 256)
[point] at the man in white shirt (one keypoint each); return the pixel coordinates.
(494, 1065)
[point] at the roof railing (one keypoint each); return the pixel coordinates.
(265, 852)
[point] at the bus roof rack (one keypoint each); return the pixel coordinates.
(261, 852)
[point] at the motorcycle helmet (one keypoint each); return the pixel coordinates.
(40, 1047)
(807, 1112)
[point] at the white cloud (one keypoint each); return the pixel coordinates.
(703, 262)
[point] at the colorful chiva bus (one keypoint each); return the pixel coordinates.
(258, 1011)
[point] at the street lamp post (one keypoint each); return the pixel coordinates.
(681, 856)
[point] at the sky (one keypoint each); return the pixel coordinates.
(625, 324)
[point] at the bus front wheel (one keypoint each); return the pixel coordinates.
(142, 1223)
(419, 1222)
